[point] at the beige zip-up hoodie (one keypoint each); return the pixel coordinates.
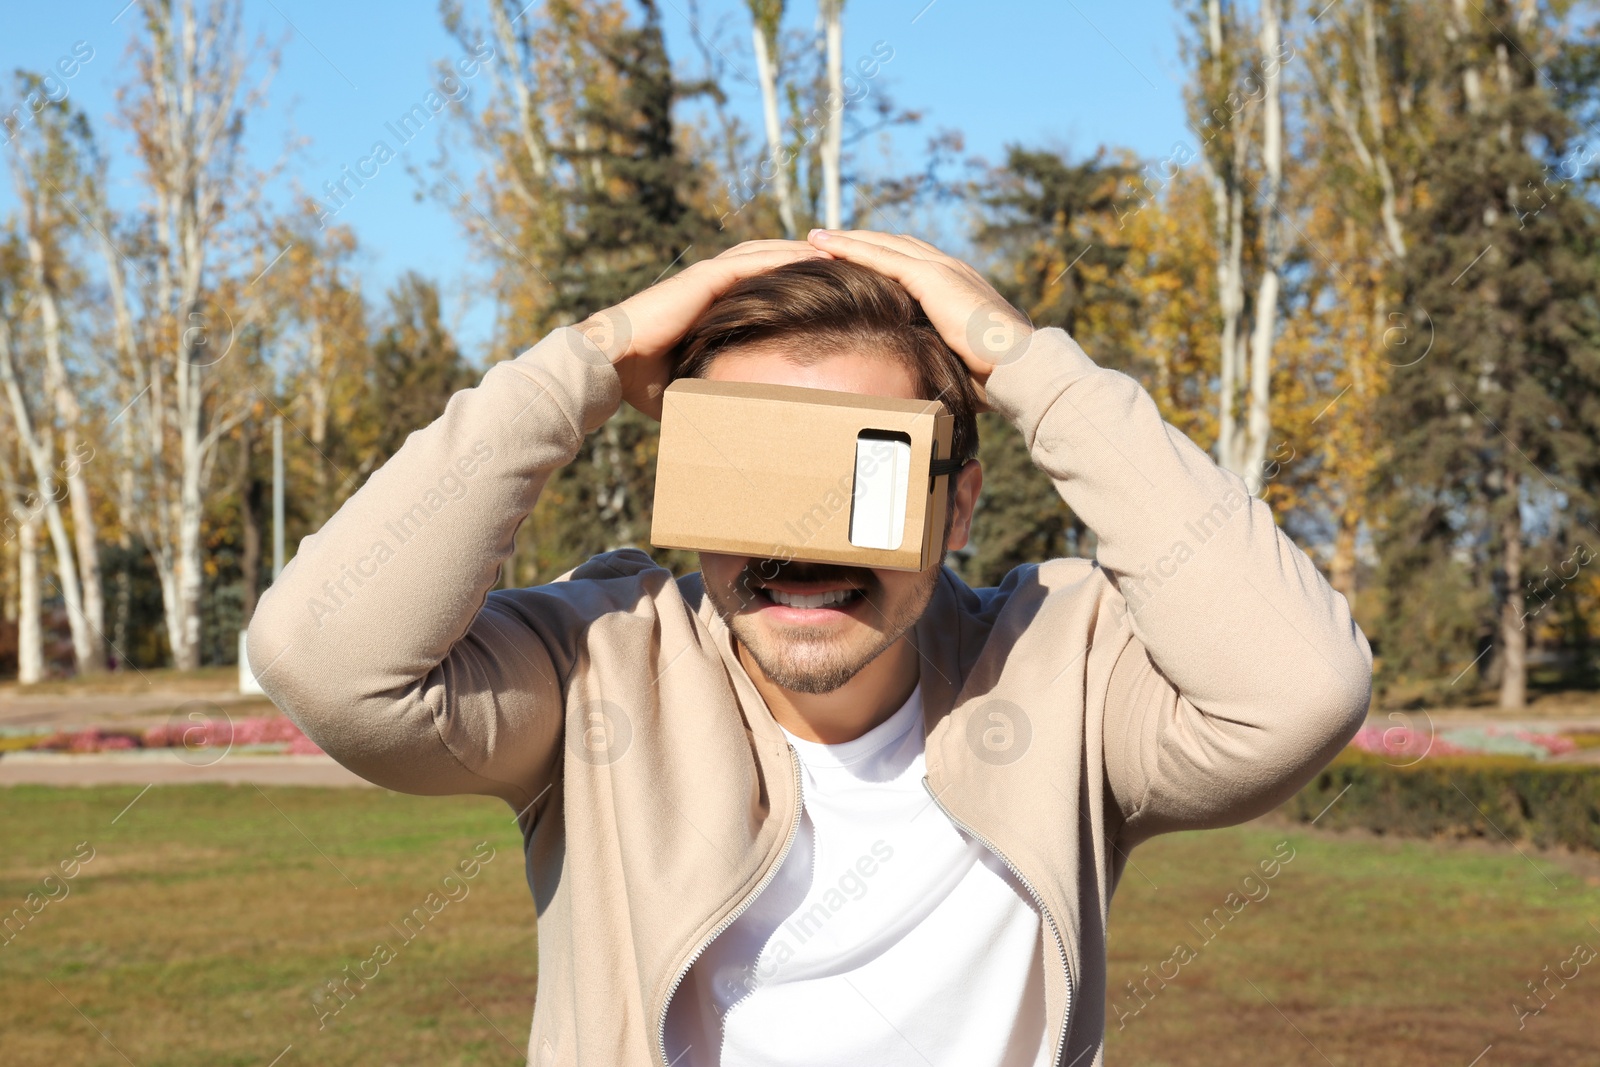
(1195, 674)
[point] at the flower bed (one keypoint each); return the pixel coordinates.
(257, 733)
(1405, 743)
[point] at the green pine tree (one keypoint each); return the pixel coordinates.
(1495, 432)
(416, 366)
(1036, 223)
(630, 228)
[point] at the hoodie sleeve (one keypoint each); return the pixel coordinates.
(1237, 672)
(380, 639)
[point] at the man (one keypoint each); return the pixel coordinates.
(779, 812)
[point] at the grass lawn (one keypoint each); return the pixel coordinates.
(1361, 950)
(210, 915)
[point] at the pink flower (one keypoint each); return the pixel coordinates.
(221, 732)
(1555, 744)
(1403, 742)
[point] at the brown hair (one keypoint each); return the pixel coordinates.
(831, 307)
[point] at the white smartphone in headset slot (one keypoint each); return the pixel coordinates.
(882, 483)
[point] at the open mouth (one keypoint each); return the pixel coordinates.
(832, 598)
(812, 599)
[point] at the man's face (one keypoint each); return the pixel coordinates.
(817, 649)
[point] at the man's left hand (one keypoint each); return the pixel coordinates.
(976, 322)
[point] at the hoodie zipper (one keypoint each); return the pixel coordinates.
(794, 828)
(756, 963)
(1055, 931)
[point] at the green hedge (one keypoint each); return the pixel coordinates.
(1457, 796)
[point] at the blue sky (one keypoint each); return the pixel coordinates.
(1067, 75)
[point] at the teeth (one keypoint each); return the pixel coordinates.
(815, 600)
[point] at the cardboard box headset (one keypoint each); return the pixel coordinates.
(786, 472)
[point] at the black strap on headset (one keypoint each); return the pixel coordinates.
(939, 467)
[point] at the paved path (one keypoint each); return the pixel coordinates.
(118, 709)
(169, 768)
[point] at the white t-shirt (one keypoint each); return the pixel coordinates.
(887, 936)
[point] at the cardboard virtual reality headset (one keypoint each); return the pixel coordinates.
(793, 473)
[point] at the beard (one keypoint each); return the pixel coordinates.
(820, 659)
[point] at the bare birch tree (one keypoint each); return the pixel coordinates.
(38, 444)
(766, 17)
(44, 162)
(1225, 154)
(1251, 450)
(830, 13)
(1364, 66)
(1353, 73)
(187, 115)
(1232, 85)
(22, 526)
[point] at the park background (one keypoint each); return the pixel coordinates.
(1350, 248)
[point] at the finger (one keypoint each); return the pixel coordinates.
(746, 247)
(879, 255)
(919, 242)
(798, 250)
(941, 256)
(708, 279)
(902, 243)
(732, 266)
(912, 248)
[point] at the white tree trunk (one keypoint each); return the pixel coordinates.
(1458, 30)
(1228, 202)
(190, 579)
(9, 609)
(1513, 623)
(764, 36)
(39, 458)
(1369, 71)
(30, 620)
(79, 567)
(1230, 285)
(514, 46)
(833, 142)
(88, 624)
(191, 71)
(1259, 415)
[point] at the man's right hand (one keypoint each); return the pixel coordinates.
(636, 335)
